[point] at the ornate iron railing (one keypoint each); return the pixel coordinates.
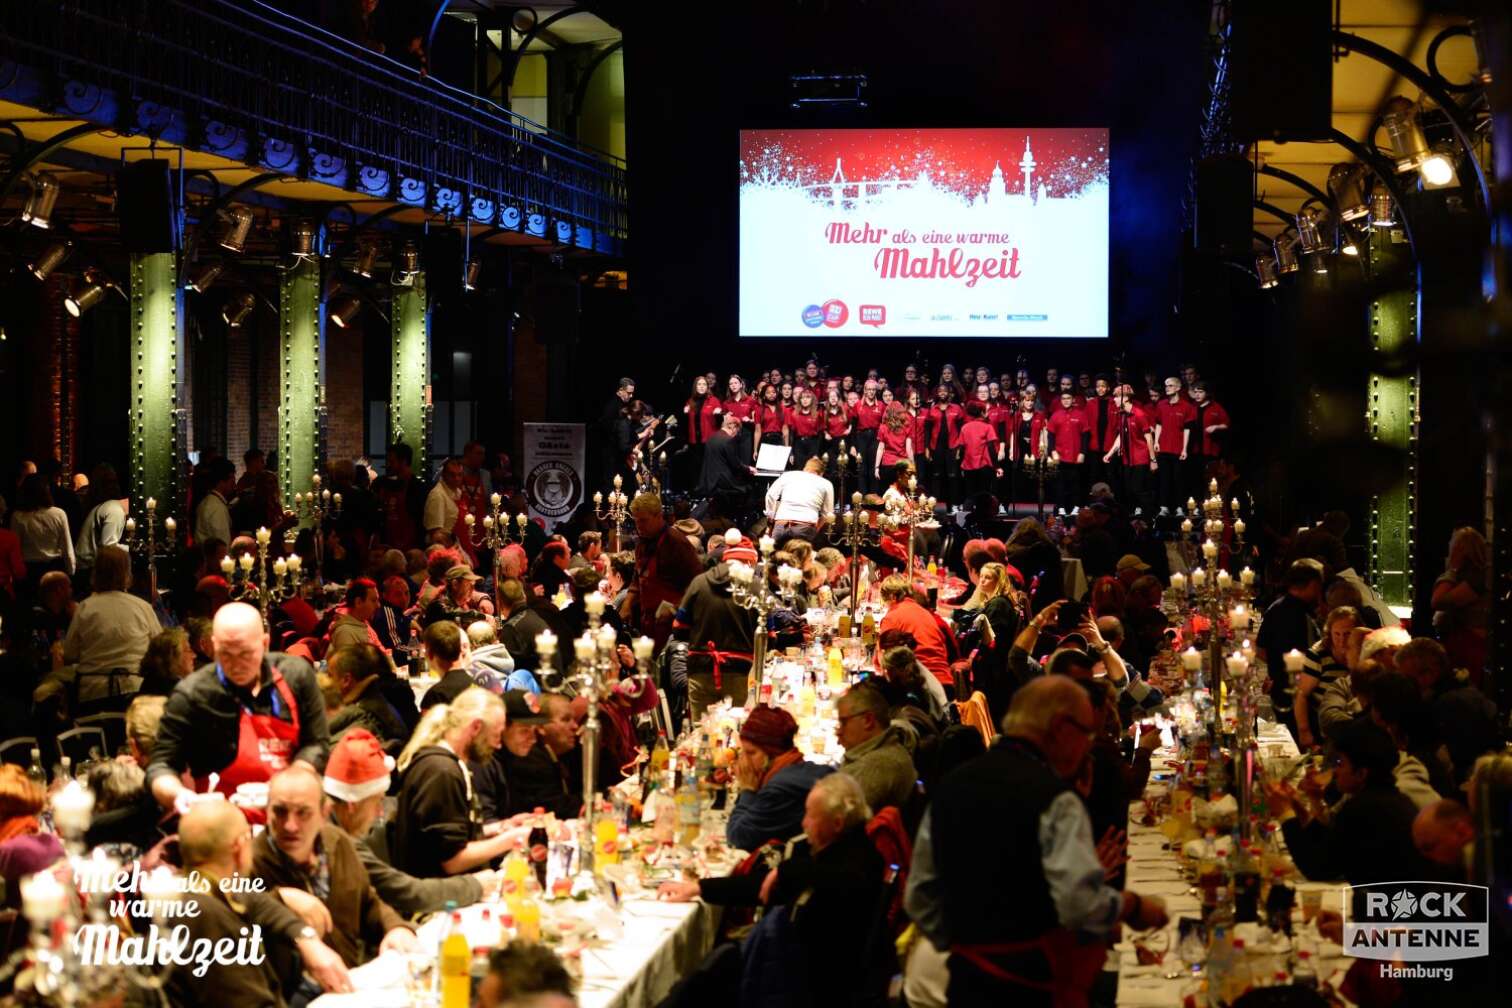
(249, 82)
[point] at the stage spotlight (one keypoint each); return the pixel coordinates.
(470, 273)
(237, 308)
(1346, 183)
(1348, 244)
(1382, 210)
(406, 265)
(1437, 170)
(203, 276)
(343, 311)
(39, 205)
(302, 239)
(1265, 271)
(1309, 231)
(1286, 255)
(51, 258)
(367, 258)
(90, 293)
(1404, 129)
(238, 226)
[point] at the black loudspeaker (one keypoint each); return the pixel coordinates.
(144, 202)
(1281, 70)
(1224, 206)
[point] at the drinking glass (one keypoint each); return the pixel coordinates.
(420, 980)
(1192, 950)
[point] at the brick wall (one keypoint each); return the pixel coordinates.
(344, 403)
(238, 393)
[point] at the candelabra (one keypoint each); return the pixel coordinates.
(751, 588)
(1041, 468)
(495, 537)
(846, 459)
(317, 505)
(857, 528)
(147, 545)
(617, 511)
(260, 591)
(911, 509)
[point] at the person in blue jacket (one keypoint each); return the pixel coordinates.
(774, 781)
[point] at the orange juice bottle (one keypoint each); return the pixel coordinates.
(528, 920)
(456, 957)
(605, 842)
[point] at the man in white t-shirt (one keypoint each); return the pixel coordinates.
(800, 503)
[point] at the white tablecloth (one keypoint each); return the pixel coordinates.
(661, 943)
(1154, 870)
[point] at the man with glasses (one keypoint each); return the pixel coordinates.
(1011, 822)
(874, 753)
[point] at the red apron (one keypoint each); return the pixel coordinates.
(1073, 966)
(719, 658)
(265, 745)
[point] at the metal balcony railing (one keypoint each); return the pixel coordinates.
(251, 83)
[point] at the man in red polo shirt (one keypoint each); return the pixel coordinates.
(932, 646)
(1209, 435)
(1066, 427)
(1174, 416)
(868, 414)
(1132, 439)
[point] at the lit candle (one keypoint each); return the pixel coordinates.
(546, 644)
(1237, 666)
(1199, 578)
(469, 519)
(264, 536)
(1212, 486)
(1209, 549)
(598, 498)
(1191, 659)
(1239, 617)
(1234, 505)
(1191, 504)
(521, 520)
(336, 499)
(842, 446)
(619, 481)
(913, 483)
(584, 648)
(495, 500)
(607, 637)
(246, 561)
(170, 525)
(1178, 583)
(1225, 580)
(1186, 526)
(280, 567)
(151, 503)
(325, 495)
(593, 602)
(662, 458)
(488, 521)
(315, 480)
(1293, 660)
(295, 563)
(71, 808)
(42, 897)
(131, 526)
(227, 565)
(768, 544)
(643, 646)
(1238, 526)
(1247, 577)
(856, 498)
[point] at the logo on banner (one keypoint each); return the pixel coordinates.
(554, 489)
(813, 316)
(872, 315)
(1417, 921)
(835, 313)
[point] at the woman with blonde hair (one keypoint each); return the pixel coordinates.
(1462, 603)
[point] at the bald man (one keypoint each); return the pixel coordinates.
(1010, 821)
(216, 841)
(243, 718)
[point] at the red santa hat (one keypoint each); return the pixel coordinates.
(358, 767)
(738, 547)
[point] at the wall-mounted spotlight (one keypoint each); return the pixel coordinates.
(367, 257)
(90, 292)
(1265, 271)
(471, 270)
(238, 226)
(51, 258)
(343, 311)
(238, 307)
(301, 240)
(1310, 223)
(1346, 183)
(1382, 209)
(1286, 255)
(203, 276)
(406, 265)
(39, 204)
(1437, 170)
(1404, 129)
(1349, 243)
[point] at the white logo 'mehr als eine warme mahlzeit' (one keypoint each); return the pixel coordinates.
(1417, 921)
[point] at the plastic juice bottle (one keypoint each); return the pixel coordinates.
(516, 871)
(806, 698)
(836, 665)
(868, 631)
(527, 921)
(605, 842)
(661, 755)
(456, 960)
(689, 812)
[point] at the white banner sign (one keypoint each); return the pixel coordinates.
(554, 467)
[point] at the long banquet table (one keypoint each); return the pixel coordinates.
(1155, 870)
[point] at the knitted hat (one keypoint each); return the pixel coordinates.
(770, 729)
(738, 547)
(358, 767)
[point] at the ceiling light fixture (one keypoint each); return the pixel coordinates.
(237, 308)
(239, 225)
(51, 258)
(39, 205)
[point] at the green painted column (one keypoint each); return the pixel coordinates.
(409, 395)
(156, 329)
(1393, 411)
(301, 398)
